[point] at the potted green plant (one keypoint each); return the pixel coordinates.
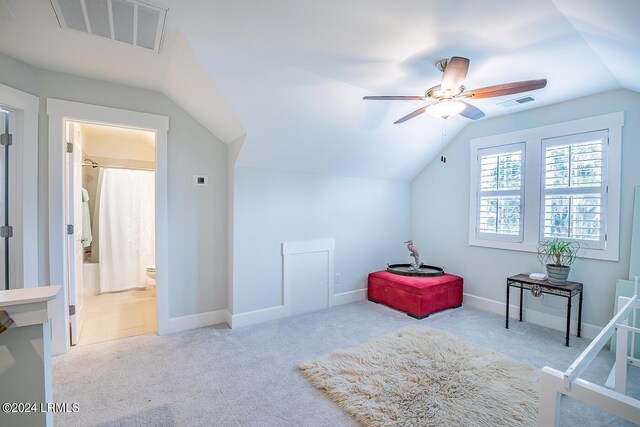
(558, 255)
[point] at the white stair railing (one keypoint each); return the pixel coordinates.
(555, 384)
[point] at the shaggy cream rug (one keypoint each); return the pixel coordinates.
(418, 376)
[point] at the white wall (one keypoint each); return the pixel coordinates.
(197, 216)
(369, 220)
(118, 143)
(440, 210)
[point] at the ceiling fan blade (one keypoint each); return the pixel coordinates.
(411, 115)
(454, 74)
(505, 89)
(394, 98)
(471, 112)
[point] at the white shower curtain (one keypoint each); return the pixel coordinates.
(126, 216)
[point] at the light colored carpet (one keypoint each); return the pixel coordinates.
(249, 376)
(419, 376)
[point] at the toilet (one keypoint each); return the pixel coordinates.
(151, 272)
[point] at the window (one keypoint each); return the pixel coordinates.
(574, 188)
(557, 181)
(500, 192)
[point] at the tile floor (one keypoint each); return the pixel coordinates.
(118, 315)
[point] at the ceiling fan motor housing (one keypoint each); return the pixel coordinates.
(437, 93)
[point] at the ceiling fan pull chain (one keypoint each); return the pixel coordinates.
(443, 157)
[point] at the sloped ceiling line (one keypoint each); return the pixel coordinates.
(189, 85)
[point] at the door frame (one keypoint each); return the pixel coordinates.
(59, 112)
(25, 108)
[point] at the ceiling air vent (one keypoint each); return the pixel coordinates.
(524, 100)
(129, 21)
(517, 101)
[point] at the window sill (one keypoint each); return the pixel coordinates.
(610, 254)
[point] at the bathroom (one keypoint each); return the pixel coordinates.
(116, 195)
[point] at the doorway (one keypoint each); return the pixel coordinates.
(68, 318)
(110, 201)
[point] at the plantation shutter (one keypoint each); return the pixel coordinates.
(574, 188)
(500, 193)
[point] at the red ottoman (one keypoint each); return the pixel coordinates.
(416, 296)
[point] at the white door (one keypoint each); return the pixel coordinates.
(4, 219)
(10, 232)
(75, 250)
(308, 276)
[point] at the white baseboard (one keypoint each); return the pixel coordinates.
(199, 320)
(279, 311)
(228, 317)
(537, 317)
(349, 297)
(257, 316)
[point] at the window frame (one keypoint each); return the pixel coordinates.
(533, 170)
(603, 135)
(508, 148)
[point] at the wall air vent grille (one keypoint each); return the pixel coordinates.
(133, 22)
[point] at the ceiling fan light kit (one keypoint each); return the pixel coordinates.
(450, 94)
(446, 108)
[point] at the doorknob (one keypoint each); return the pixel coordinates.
(5, 321)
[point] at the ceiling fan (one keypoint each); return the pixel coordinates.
(450, 94)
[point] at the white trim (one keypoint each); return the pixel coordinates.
(532, 316)
(533, 137)
(199, 320)
(25, 108)
(59, 111)
(258, 316)
(349, 297)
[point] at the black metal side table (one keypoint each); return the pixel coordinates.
(568, 291)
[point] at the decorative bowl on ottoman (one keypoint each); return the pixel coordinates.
(416, 296)
(410, 270)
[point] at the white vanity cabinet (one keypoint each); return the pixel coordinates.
(25, 357)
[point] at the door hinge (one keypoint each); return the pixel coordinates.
(70, 229)
(605, 237)
(72, 310)
(69, 147)
(6, 139)
(6, 231)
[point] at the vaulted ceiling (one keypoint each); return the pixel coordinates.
(292, 73)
